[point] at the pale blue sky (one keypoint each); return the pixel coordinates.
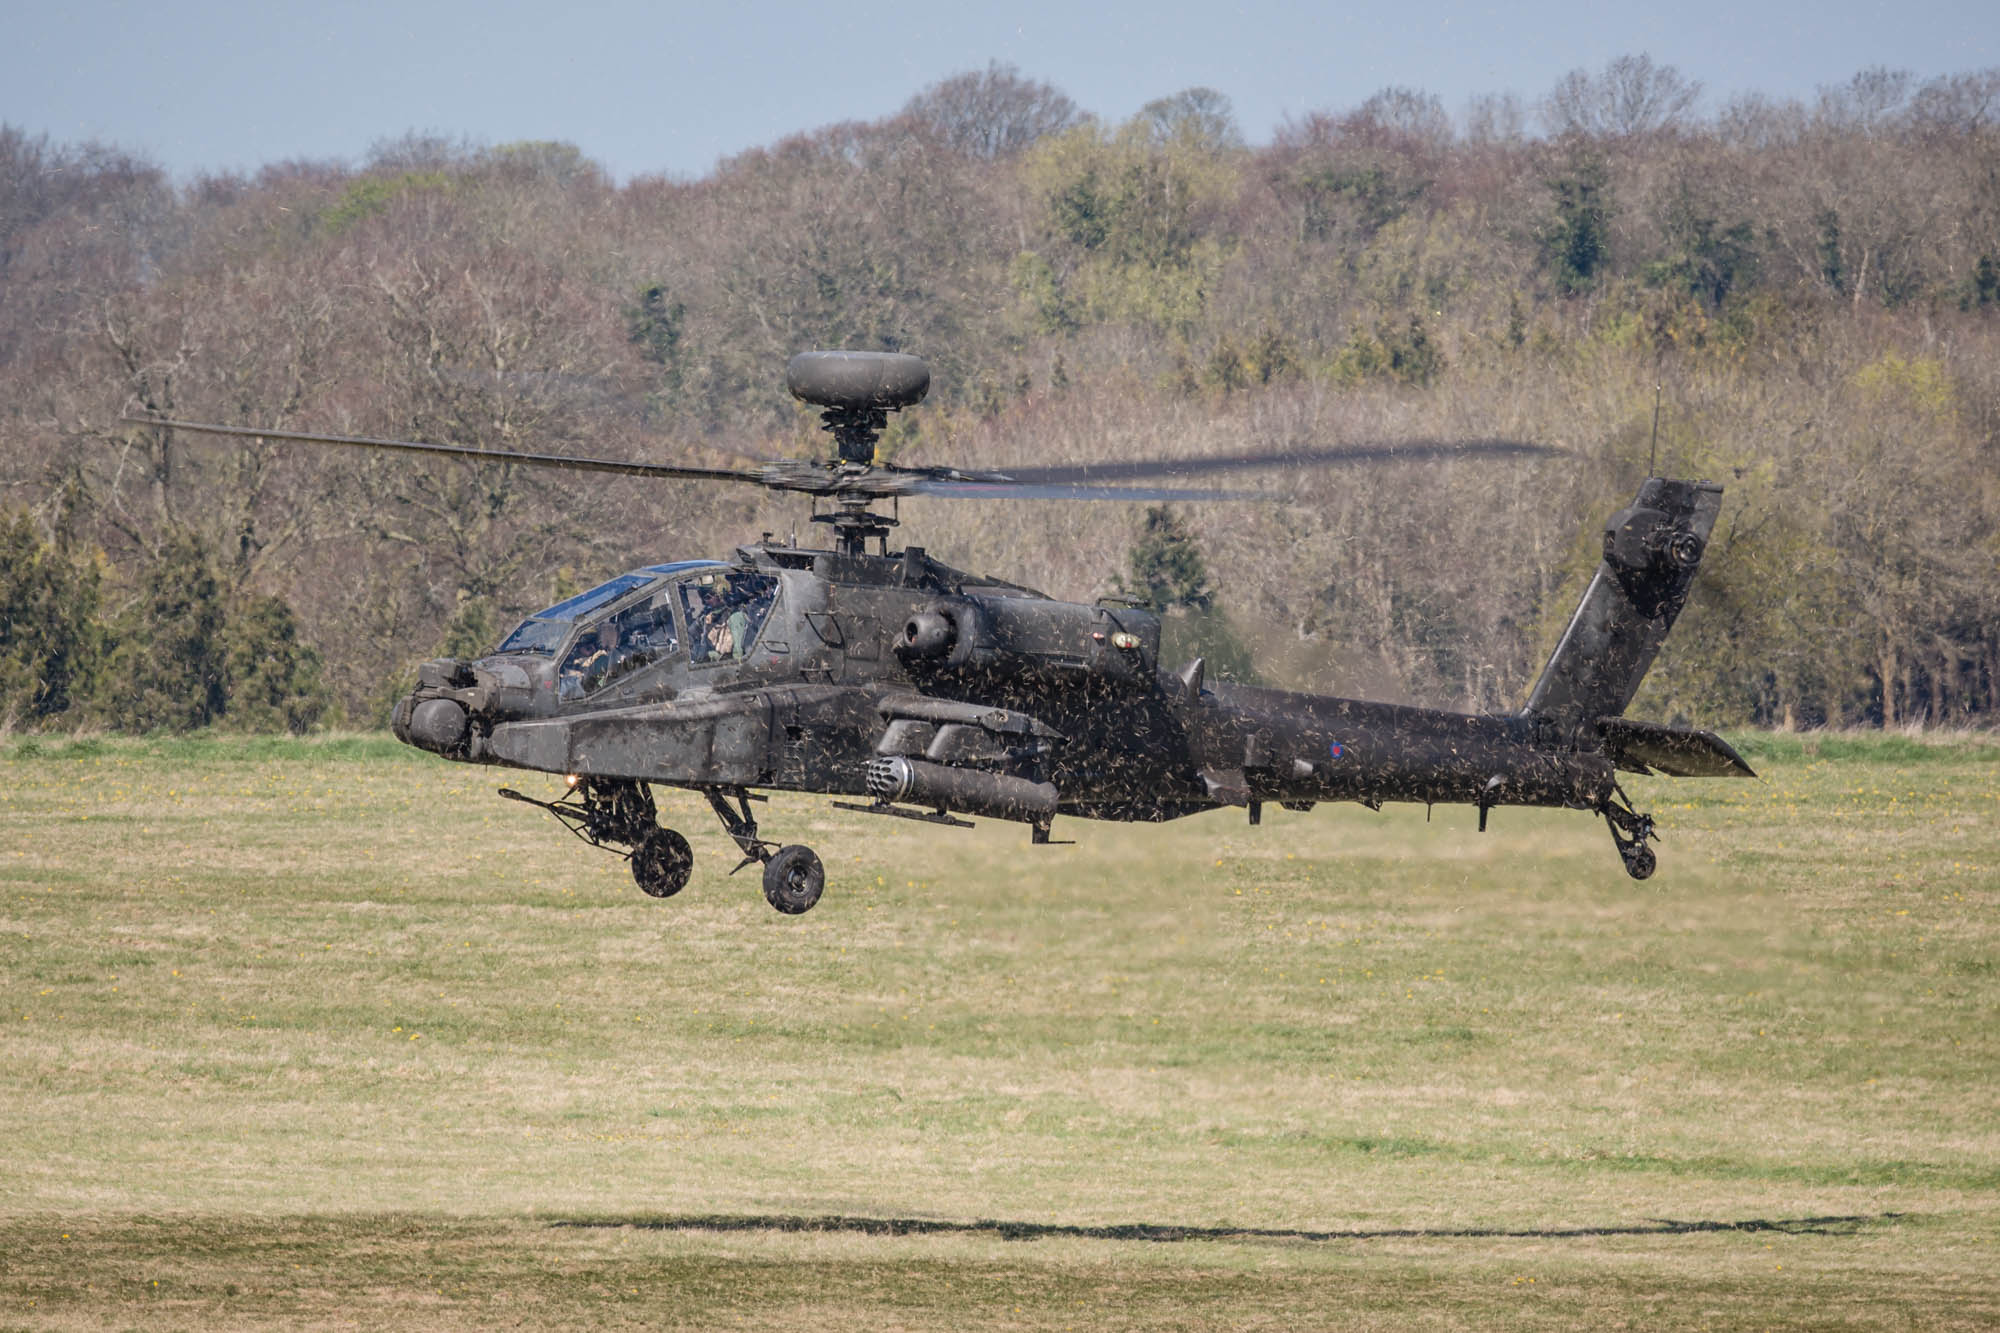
(671, 88)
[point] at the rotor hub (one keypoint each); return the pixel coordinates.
(855, 431)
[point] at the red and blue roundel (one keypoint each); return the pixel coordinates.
(1336, 749)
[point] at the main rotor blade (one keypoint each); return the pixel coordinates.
(664, 470)
(1328, 456)
(599, 393)
(1075, 481)
(1016, 490)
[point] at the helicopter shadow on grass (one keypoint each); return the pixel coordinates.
(1838, 1225)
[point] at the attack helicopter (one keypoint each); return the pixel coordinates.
(929, 693)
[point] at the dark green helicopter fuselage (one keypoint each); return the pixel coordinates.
(931, 692)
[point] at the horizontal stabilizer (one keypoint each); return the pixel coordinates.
(1648, 747)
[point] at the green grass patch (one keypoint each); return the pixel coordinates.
(313, 1031)
(1873, 747)
(218, 747)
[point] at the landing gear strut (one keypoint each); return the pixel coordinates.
(793, 875)
(616, 813)
(610, 813)
(1630, 831)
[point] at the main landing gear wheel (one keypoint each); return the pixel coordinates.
(793, 879)
(662, 863)
(1640, 861)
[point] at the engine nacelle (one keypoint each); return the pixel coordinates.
(947, 635)
(1031, 635)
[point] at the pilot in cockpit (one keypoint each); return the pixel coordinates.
(725, 627)
(724, 615)
(712, 626)
(587, 662)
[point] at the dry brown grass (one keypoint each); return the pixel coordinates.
(326, 1035)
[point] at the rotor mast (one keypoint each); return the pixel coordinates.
(854, 524)
(856, 391)
(856, 431)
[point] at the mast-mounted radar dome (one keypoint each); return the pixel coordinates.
(858, 381)
(858, 391)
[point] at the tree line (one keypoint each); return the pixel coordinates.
(1796, 298)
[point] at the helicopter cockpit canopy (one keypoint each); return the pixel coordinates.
(638, 634)
(541, 634)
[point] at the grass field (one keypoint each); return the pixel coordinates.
(322, 1033)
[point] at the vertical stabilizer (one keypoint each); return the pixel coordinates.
(1651, 552)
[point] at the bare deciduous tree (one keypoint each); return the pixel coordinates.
(1631, 96)
(1816, 290)
(991, 113)
(1868, 103)
(1200, 117)
(1493, 118)
(1958, 103)
(1408, 113)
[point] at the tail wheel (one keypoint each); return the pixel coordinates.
(793, 879)
(1630, 833)
(662, 863)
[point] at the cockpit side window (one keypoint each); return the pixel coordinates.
(724, 614)
(635, 637)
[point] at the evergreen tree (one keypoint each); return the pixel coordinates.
(274, 681)
(49, 635)
(1984, 288)
(1166, 565)
(170, 668)
(1169, 576)
(1575, 239)
(1832, 270)
(1703, 257)
(655, 323)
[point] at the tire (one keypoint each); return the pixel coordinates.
(793, 879)
(1640, 862)
(662, 863)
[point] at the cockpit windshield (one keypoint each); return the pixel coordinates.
(537, 637)
(636, 637)
(543, 632)
(584, 603)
